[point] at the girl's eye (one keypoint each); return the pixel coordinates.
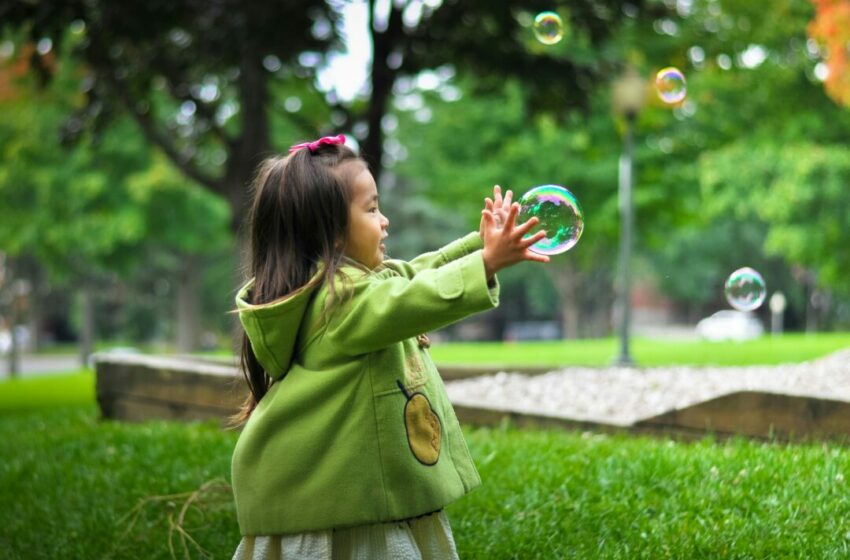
(373, 209)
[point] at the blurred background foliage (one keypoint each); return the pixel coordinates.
(130, 132)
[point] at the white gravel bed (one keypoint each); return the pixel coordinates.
(622, 396)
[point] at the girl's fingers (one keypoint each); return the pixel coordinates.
(525, 227)
(508, 198)
(487, 215)
(511, 221)
(529, 241)
(497, 195)
(488, 204)
(539, 235)
(532, 256)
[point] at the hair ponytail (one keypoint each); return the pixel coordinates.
(298, 216)
(258, 382)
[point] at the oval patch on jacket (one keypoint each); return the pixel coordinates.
(423, 427)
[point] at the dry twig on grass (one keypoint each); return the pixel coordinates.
(176, 525)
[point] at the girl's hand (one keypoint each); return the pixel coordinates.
(504, 246)
(498, 206)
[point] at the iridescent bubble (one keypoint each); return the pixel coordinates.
(670, 83)
(548, 28)
(745, 289)
(560, 215)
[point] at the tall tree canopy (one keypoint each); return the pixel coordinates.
(183, 70)
(207, 81)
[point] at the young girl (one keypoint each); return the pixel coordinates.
(351, 448)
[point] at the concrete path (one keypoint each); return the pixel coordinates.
(32, 365)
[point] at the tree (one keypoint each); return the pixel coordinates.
(831, 26)
(798, 191)
(94, 209)
(469, 143)
(752, 88)
(491, 41)
(750, 80)
(185, 69)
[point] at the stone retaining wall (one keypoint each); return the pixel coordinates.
(140, 387)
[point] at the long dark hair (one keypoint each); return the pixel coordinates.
(298, 220)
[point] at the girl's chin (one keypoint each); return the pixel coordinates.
(379, 260)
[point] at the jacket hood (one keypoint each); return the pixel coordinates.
(273, 328)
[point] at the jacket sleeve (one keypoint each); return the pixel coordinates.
(386, 308)
(435, 259)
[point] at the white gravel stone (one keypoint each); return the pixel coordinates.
(622, 396)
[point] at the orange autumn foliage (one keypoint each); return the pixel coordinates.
(16, 68)
(831, 27)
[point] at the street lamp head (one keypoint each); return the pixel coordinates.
(629, 93)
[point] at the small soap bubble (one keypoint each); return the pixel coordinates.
(560, 216)
(670, 83)
(548, 28)
(745, 289)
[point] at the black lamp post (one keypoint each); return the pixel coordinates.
(629, 95)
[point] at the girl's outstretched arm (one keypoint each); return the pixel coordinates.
(386, 307)
(500, 206)
(435, 259)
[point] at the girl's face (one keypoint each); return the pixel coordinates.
(367, 227)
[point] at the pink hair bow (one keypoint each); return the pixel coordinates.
(313, 146)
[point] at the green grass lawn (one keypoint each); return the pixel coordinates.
(795, 347)
(74, 486)
(646, 352)
(29, 393)
(78, 387)
(70, 484)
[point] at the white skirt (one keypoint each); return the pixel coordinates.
(423, 538)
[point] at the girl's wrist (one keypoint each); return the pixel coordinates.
(490, 269)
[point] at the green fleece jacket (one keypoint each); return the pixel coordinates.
(357, 427)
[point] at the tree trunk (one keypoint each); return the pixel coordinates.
(570, 318)
(254, 142)
(87, 324)
(597, 298)
(384, 43)
(188, 292)
(31, 313)
(241, 273)
(14, 349)
(34, 317)
(566, 279)
(245, 155)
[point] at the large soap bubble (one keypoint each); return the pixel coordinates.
(745, 289)
(560, 216)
